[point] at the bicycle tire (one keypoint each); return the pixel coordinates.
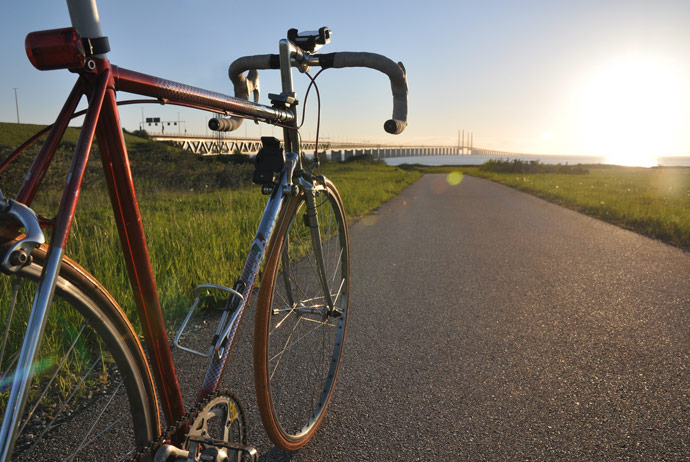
(90, 356)
(291, 395)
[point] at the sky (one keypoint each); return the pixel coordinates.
(574, 77)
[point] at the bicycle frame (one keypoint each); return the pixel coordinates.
(99, 80)
(82, 49)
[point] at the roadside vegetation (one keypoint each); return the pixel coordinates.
(532, 166)
(199, 213)
(651, 201)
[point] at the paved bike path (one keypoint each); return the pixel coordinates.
(487, 324)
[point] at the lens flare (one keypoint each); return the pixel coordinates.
(38, 368)
(454, 178)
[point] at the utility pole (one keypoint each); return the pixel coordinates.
(16, 102)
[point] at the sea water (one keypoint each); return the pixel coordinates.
(544, 159)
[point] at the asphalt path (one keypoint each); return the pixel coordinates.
(486, 324)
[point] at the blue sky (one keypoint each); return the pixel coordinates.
(573, 77)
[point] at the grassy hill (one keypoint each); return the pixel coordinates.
(154, 164)
(12, 134)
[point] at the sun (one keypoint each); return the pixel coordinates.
(631, 109)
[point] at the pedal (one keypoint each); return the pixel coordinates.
(197, 298)
(214, 451)
(217, 451)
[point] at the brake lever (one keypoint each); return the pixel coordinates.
(253, 86)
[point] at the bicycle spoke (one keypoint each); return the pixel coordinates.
(285, 302)
(6, 378)
(290, 345)
(280, 323)
(55, 374)
(13, 303)
(280, 353)
(293, 277)
(111, 425)
(51, 425)
(338, 293)
(337, 268)
(98, 418)
(317, 321)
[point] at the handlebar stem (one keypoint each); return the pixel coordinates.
(285, 53)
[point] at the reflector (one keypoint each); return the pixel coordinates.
(55, 49)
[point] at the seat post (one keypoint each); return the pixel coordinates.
(85, 19)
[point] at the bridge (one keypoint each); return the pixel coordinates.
(338, 150)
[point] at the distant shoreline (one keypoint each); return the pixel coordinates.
(546, 159)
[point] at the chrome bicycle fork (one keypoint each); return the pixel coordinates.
(18, 256)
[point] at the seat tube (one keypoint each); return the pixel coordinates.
(132, 238)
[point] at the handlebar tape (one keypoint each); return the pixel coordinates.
(250, 84)
(244, 85)
(395, 72)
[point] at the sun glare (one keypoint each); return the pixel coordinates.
(631, 110)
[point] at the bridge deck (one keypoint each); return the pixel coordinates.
(206, 145)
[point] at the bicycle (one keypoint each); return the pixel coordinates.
(96, 378)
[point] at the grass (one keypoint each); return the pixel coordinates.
(12, 134)
(654, 202)
(199, 213)
(199, 236)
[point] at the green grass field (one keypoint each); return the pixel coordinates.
(651, 201)
(199, 214)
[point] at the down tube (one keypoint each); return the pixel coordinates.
(249, 273)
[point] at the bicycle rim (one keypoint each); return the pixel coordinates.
(92, 397)
(297, 342)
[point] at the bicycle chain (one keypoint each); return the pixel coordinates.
(147, 453)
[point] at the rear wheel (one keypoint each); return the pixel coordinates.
(92, 392)
(298, 338)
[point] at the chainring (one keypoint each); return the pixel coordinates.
(221, 420)
(216, 422)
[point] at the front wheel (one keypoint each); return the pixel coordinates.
(92, 395)
(300, 324)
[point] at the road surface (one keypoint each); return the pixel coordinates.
(487, 324)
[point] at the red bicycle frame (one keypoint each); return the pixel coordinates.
(99, 80)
